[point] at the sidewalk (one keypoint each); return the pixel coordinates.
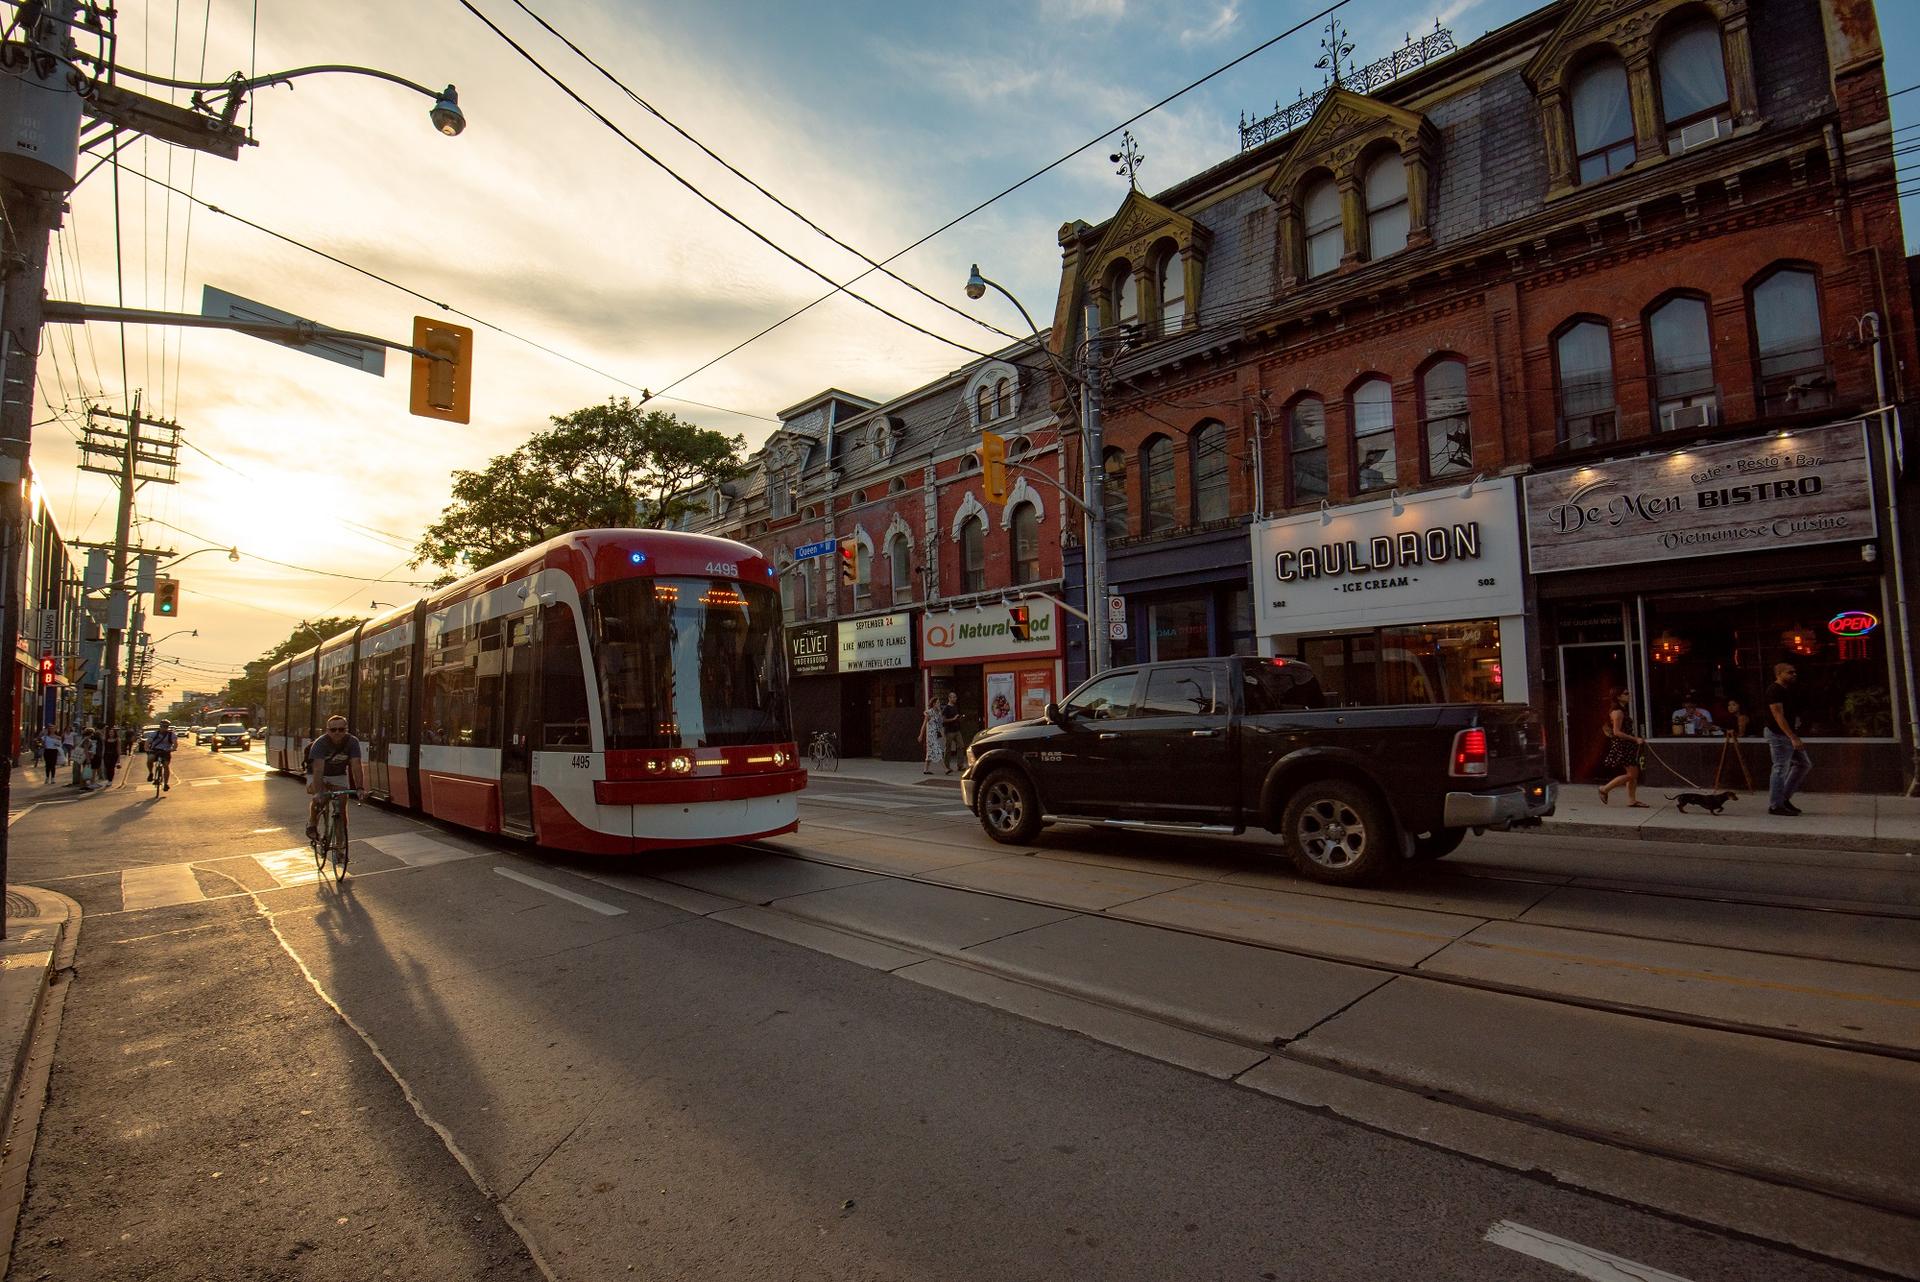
(42, 935)
(1835, 820)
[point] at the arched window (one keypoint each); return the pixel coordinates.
(1002, 399)
(1445, 431)
(1386, 205)
(1156, 495)
(1370, 411)
(862, 575)
(1583, 373)
(982, 405)
(1787, 342)
(793, 585)
(1113, 492)
(1125, 292)
(1602, 119)
(1173, 291)
(898, 485)
(1023, 538)
(1682, 357)
(900, 563)
(1210, 473)
(973, 555)
(1320, 218)
(1693, 73)
(1306, 450)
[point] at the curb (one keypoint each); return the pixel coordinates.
(46, 946)
(1718, 836)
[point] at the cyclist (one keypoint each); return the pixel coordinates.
(333, 764)
(160, 749)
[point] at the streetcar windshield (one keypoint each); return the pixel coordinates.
(688, 663)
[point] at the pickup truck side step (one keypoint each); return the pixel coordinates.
(1219, 830)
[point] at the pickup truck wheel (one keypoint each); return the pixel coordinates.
(1439, 843)
(1009, 810)
(1336, 832)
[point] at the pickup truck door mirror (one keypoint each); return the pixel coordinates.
(1058, 716)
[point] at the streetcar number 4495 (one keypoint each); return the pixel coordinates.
(730, 569)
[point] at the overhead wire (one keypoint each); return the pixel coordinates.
(285, 565)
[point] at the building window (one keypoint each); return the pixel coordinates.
(1602, 119)
(1787, 339)
(1024, 535)
(793, 591)
(1386, 205)
(1693, 74)
(900, 560)
(898, 485)
(862, 575)
(1125, 292)
(1113, 492)
(1210, 473)
(973, 555)
(982, 405)
(1583, 368)
(1682, 363)
(1002, 399)
(1307, 450)
(1445, 434)
(1320, 216)
(1173, 291)
(1371, 412)
(1156, 471)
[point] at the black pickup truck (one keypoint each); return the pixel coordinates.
(1228, 745)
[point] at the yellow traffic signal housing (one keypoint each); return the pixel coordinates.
(166, 598)
(1020, 623)
(442, 381)
(849, 563)
(993, 466)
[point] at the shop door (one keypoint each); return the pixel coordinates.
(1179, 739)
(856, 715)
(516, 727)
(1589, 673)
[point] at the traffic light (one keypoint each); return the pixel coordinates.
(166, 598)
(49, 671)
(1019, 622)
(849, 563)
(993, 466)
(443, 379)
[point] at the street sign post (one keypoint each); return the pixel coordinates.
(328, 345)
(807, 551)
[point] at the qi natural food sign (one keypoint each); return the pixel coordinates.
(1791, 489)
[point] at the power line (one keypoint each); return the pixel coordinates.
(1045, 169)
(713, 204)
(303, 569)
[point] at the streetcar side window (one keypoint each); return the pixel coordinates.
(563, 683)
(451, 689)
(489, 668)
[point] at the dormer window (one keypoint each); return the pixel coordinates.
(1320, 210)
(1693, 77)
(1125, 292)
(1002, 399)
(1173, 290)
(1386, 205)
(1602, 119)
(982, 405)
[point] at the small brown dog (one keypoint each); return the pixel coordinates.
(1707, 801)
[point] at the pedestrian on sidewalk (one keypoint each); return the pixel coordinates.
(1791, 763)
(67, 744)
(953, 729)
(1623, 750)
(933, 737)
(50, 746)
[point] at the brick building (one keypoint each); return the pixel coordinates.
(934, 566)
(1568, 361)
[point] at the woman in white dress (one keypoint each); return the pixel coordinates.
(933, 736)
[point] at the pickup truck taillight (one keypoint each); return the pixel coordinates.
(1469, 753)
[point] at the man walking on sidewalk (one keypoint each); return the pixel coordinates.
(1790, 760)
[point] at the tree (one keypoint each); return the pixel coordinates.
(606, 465)
(249, 690)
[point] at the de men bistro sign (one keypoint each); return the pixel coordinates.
(1788, 490)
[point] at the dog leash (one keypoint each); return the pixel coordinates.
(1669, 766)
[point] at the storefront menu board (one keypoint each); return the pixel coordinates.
(995, 631)
(1446, 555)
(809, 649)
(875, 643)
(1784, 490)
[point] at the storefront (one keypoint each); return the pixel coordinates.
(855, 679)
(1184, 597)
(1003, 660)
(1403, 600)
(1684, 577)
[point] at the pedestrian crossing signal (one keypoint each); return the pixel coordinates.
(166, 598)
(49, 671)
(1020, 623)
(849, 568)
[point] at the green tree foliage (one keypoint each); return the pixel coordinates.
(249, 690)
(611, 465)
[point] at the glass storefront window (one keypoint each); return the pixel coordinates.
(1720, 646)
(1417, 663)
(1178, 627)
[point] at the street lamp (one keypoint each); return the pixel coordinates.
(233, 554)
(445, 114)
(1093, 508)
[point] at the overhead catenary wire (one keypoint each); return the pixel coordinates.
(285, 565)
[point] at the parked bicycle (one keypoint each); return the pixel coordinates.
(329, 841)
(823, 751)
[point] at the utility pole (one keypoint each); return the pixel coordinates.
(1100, 643)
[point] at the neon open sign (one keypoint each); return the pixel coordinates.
(1852, 623)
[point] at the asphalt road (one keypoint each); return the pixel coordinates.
(474, 1034)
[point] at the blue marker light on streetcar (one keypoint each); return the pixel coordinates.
(636, 557)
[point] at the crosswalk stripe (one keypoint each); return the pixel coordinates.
(861, 803)
(291, 867)
(418, 850)
(159, 886)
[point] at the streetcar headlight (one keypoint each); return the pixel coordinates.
(779, 757)
(654, 767)
(681, 765)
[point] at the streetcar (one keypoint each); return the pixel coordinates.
(607, 692)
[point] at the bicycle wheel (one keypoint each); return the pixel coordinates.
(323, 834)
(830, 757)
(159, 781)
(337, 845)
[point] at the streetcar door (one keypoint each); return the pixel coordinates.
(516, 727)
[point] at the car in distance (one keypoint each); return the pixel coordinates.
(231, 734)
(1241, 744)
(202, 734)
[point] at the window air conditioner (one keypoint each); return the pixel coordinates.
(1681, 418)
(1699, 132)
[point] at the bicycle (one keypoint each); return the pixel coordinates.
(329, 841)
(823, 751)
(162, 773)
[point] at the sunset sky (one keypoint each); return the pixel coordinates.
(879, 120)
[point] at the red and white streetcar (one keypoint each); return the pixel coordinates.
(609, 691)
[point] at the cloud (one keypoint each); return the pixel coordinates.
(1222, 22)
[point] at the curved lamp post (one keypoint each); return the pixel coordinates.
(445, 114)
(233, 554)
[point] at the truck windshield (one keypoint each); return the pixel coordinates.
(688, 663)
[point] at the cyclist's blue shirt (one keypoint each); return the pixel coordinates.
(333, 758)
(163, 741)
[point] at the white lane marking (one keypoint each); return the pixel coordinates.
(864, 803)
(605, 910)
(206, 783)
(1582, 1261)
(159, 886)
(962, 811)
(291, 867)
(417, 849)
